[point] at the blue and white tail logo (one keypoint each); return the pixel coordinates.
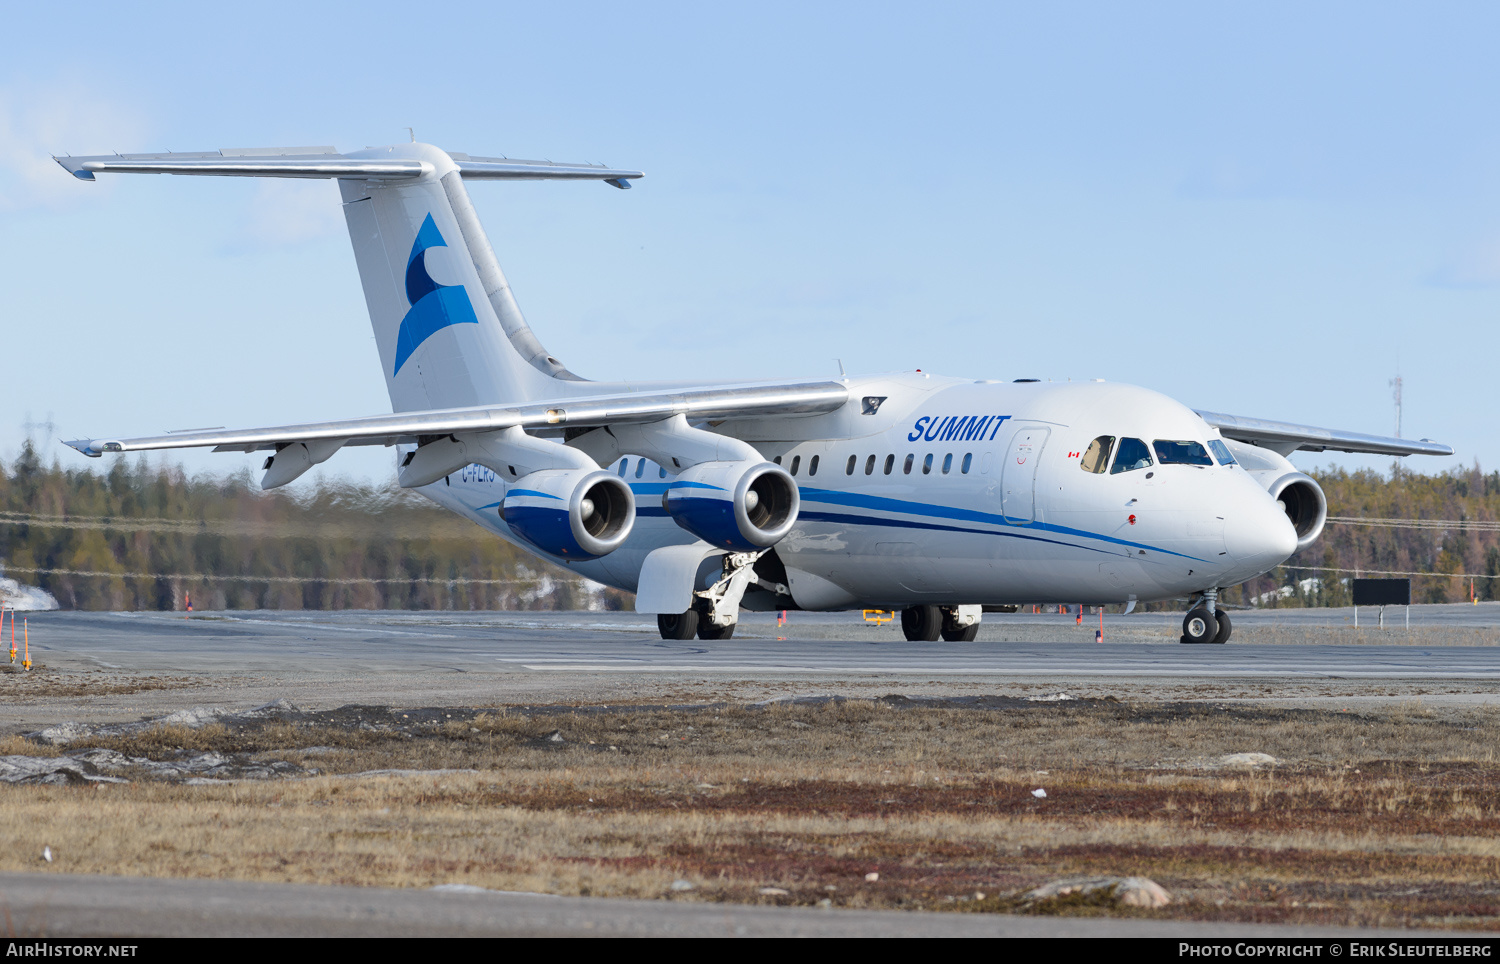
(433, 306)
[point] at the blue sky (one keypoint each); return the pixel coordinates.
(1264, 209)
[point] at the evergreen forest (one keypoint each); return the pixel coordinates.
(144, 536)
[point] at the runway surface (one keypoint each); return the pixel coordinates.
(115, 667)
(812, 644)
(123, 907)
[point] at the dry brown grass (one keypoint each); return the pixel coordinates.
(1371, 819)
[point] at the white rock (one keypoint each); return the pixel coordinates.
(64, 733)
(1039, 793)
(1247, 760)
(772, 892)
(47, 854)
(682, 885)
(1127, 891)
(1141, 892)
(872, 877)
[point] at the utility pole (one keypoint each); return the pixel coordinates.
(1396, 395)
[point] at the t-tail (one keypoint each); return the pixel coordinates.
(448, 328)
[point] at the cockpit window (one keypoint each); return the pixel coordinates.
(1131, 455)
(1181, 453)
(1096, 458)
(1221, 452)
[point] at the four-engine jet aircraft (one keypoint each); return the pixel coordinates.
(943, 497)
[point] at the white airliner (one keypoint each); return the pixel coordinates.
(943, 497)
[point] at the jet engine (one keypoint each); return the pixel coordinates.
(1304, 503)
(742, 505)
(571, 513)
(1300, 496)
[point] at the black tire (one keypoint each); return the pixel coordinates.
(1225, 628)
(922, 624)
(707, 630)
(954, 633)
(1199, 626)
(677, 625)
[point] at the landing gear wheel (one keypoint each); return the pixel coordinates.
(1199, 626)
(922, 624)
(677, 625)
(1222, 636)
(707, 630)
(954, 633)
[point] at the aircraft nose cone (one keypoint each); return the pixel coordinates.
(1259, 535)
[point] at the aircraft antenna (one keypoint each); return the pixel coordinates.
(1396, 395)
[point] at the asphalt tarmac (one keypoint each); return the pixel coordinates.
(116, 667)
(126, 907)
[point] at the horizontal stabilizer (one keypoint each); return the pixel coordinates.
(751, 401)
(1286, 438)
(325, 162)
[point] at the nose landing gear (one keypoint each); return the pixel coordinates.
(1206, 623)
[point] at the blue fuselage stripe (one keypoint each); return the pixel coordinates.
(868, 520)
(882, 504)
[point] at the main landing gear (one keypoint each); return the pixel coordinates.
(716, 610)
(924, 624)
(1206, 623)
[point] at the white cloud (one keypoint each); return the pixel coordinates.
(39, 120)
(292, 210)
(1477, 266)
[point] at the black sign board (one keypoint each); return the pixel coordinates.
(1382, 592)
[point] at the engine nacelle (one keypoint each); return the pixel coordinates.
(741, 506)
(1305, 505)
(571, 513)
(1300, 496)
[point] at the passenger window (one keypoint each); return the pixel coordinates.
(890, 463)
(1181, 453)
(623, 463)
(1096, 458)
(640, 467)
(968, 460)
(1221, 452)
(906, 469)
(1131, 455)
(927, 464)
(812, 467)
(849, 469)
(796, 461)
(947, 463)
(870, 465)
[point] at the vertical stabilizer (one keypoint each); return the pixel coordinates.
(447, 327)
(449, 332)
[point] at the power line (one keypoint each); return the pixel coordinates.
(1388, 572)
(235, 527)
(338, 580)
(1479, 525)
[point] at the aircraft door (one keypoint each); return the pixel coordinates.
(1018, 475)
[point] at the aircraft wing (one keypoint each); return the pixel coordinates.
(1286, 437)
(702, 404)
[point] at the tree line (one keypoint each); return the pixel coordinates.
(140, 536)
(144, 536)
(1467, 499)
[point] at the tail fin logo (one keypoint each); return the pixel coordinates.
(433, 306)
